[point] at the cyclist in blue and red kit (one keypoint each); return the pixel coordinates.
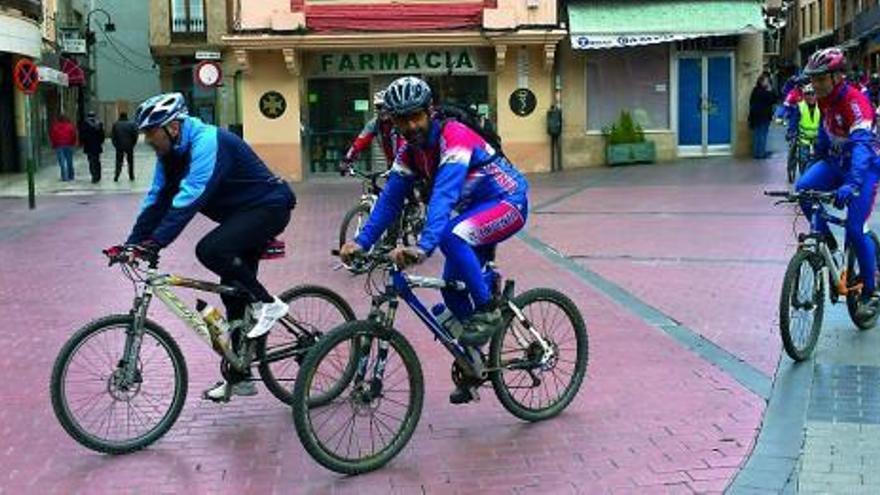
(847, 149)
(477, 200)
(382, 127)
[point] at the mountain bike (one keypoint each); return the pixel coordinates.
(406, 230)
(536, 363)
(119, 383)
(814, 270)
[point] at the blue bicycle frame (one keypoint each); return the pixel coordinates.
(403, 285)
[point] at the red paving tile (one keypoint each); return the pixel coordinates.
(649, 413)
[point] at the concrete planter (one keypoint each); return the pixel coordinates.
(620, 154)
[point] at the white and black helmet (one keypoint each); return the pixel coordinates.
(407, 95)
(160, 110)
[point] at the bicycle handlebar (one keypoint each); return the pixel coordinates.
(131, 255)
(809, 195)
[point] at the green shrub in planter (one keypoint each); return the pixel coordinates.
(625, 142)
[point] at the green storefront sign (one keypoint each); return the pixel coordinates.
(432, 61)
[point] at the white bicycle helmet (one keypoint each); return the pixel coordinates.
(407, 95)
(160, 110)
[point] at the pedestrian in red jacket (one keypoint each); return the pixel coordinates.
(62, 135)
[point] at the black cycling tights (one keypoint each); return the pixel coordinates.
(233, 250)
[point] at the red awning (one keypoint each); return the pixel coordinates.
(394, 17)
(75, 74)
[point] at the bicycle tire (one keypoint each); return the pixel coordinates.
(791, 165)
(790, 284)
(852, 300)
(275, 384)
(503, 391)
(58, 389)
(362, 209)
(301, 409)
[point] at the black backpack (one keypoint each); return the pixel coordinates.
(476, 122)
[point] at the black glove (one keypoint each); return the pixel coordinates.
(147, 250)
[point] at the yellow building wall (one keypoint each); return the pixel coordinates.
(525, 139)
(276, 141)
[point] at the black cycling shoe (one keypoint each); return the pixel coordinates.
(480, 327)
(460, 396)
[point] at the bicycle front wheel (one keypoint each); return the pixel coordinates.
(99, 405)
(373, 418)
(352, 223)
(529, 384)
(314, 311)
(801, 305)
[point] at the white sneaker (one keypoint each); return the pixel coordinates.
(218, 392)
(266, 315)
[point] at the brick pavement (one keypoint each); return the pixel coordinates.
(652, 416)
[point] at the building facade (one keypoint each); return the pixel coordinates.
(21, 36)
(125, 73)
(683, 69)
(297, 77)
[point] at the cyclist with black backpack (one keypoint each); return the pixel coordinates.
(477, 200)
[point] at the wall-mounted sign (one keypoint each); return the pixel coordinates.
(272, 104)
(523, 102)
(454, 60)
(73, 45)
(208, 74)
(598, 41)
(208, 56)
(361, 105)
(53, 76)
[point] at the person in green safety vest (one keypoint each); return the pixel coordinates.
(809, 119)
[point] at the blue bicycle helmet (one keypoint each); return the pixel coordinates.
(407, 95)
(160, 110)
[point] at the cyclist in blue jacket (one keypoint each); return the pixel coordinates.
(202, 168)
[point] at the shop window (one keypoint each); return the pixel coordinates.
(338, 110)
(631, 79)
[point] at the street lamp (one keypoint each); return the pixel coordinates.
(109, 27)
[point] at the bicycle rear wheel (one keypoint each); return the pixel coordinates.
(801, 305)
(371, 421)
(526, 387)
(853, 277)
(102, 409)
(314, 311)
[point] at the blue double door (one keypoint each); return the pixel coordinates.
(705, 103)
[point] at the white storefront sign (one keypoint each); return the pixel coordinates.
(599, 41)
(50, 75)
(73, 45)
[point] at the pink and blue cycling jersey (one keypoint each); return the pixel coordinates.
(462, 172)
